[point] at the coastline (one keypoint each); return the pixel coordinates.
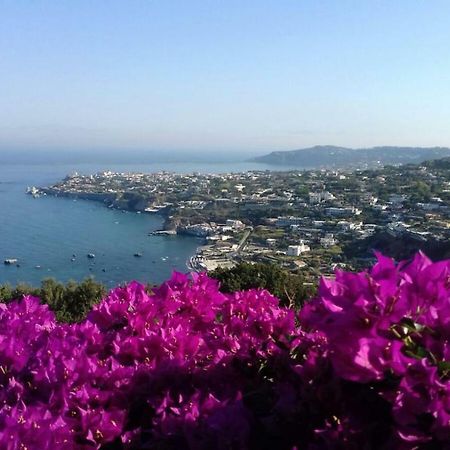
(197, 262)
(44, 234)
(193, 264)
(108, 200)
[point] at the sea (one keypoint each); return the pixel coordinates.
(51, 236)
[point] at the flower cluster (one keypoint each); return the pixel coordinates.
(389, 331)
(363, 365)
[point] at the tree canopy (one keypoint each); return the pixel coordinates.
(70, 302)
(289, 287)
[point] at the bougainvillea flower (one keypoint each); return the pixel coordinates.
(365, 364)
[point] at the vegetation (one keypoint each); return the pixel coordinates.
(363, 365)
(289, 287)
(70, 302)
(397, 247)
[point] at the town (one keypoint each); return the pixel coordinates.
(314, 221)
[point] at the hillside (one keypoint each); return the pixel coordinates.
(328, 155)
(398, 247)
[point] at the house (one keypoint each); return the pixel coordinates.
(235, 224)
(289, 221)
(328, 240)
(319, 197)
(342, 212)
(297, 250)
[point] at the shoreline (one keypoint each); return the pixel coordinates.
(197, 262)
(100, 198)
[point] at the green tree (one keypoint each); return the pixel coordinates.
(70, 302)
(290, 288)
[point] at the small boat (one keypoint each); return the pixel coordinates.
(72, 259)
(37, 267)
(138, 255)
(91, 255)
(10, 261)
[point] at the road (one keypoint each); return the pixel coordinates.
(243, 240)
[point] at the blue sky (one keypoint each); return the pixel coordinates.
(231, 75)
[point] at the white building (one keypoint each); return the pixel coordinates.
(297, 250)
(369, 198)
(319, 197)
(200, 229)
(235, 224)
(288, 221)
(348, 226)
(342, 212)
(328, 240)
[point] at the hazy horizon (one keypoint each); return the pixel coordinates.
(223, 78)
(134, 156)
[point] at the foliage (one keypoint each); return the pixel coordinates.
(191, 367)
(70, 302)
(399, 247)
(288, 287)
(420, 192)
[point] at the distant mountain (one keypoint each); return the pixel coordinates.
(329, 155)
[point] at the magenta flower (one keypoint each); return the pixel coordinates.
(190, 367)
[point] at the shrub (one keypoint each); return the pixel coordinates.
(364, 366)
(289, 288)
(70, 302)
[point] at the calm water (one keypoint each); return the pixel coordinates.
(47, 231)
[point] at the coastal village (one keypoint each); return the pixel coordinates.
(314, 221)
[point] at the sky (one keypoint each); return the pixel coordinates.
(223, 76)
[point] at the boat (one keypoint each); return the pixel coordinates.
(138, 255)
(162, 233)
(91, 255)
(10, 261)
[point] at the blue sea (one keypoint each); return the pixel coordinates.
(45, 233)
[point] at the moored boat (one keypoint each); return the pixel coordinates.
(10, 261)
